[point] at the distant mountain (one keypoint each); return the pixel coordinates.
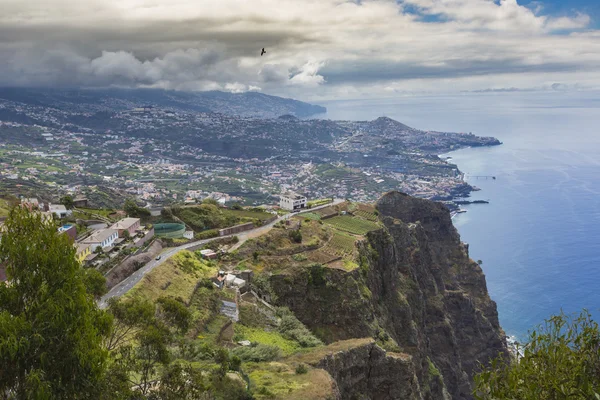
(387, 125)
(249, 104)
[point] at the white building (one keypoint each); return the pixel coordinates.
(292, 201)
(59, 210)
(103, 238)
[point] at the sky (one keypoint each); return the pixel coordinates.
(316, 49)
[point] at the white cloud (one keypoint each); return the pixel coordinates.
(315, 48)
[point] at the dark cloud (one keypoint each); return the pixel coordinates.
(314, 47)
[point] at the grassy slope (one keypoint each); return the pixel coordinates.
(177, 277)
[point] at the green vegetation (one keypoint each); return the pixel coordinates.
(291, 328)
(561, 360)
(258, 352)
(279, 380)
(353, 225)
(370, 216)
(135, 211)
(176, 277)
(318, 202)
(296, 236)
(310, 215)
(4, 208)
(50, 327)
(341, 244)
(271, 338)
(209, 216)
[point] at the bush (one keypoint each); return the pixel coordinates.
(296, 236)
(208, 234)
(257, 353)
(291, 328)
(560, 361)
(301, 369)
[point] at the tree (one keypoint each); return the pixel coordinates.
(130, 317)
(560, 361)
(209, 200)
(135, 211)
(175, 314)
(479, 262)
(179, 382)
(95, 282)
(126, 235)
(67, 201)
(296, 236)
(50, 327)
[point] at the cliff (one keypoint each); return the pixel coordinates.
(416, 292)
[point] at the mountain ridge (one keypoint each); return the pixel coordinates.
(116, 99)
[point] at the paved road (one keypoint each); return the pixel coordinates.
(129, 282)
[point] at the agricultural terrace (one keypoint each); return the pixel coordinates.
(354, 225)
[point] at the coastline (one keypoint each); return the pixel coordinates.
(514, 343)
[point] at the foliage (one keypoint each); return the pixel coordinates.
(560, 361)
(95, 282)
(208, 234)
(262, 336)
(258, 352)
(301, 369)
(291, 328)
(295, 236)
(181, 382)
(175, 313)
(135, 211)
(50, 327)
(130, 317)
(67, 201)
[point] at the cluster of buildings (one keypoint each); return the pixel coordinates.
(107, 239)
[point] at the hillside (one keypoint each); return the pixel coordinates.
(362, 301)
(101, 100)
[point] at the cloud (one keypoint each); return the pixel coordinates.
(315, 48)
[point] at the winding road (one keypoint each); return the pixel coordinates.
(125, 285)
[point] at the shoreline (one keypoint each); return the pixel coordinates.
(515, 346)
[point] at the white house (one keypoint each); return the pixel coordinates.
(103, 238)
(59, 210)
(292, 201)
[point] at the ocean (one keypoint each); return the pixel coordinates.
(539, 238)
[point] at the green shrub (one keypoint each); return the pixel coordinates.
(291, 328)
(257, 353)
(296, 236)
(301, 369)
(299, 257)
(560, 361)
(208, 234)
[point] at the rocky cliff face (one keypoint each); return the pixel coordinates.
(416, 285)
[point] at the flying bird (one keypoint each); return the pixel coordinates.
(263, 52)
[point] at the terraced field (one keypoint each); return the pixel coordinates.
(366, 215)
(353, 225)
(326, 212)
(310, 215)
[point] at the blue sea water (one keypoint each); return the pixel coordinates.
(539, 238)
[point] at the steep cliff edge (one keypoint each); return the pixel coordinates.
(417, 287)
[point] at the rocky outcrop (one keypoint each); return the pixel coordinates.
(416, 285)
(367, 371)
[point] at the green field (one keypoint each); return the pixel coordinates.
(341, 244)
(248, 214)
(353, 225)
(366, 215)
(176, 277)
(310, 215)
